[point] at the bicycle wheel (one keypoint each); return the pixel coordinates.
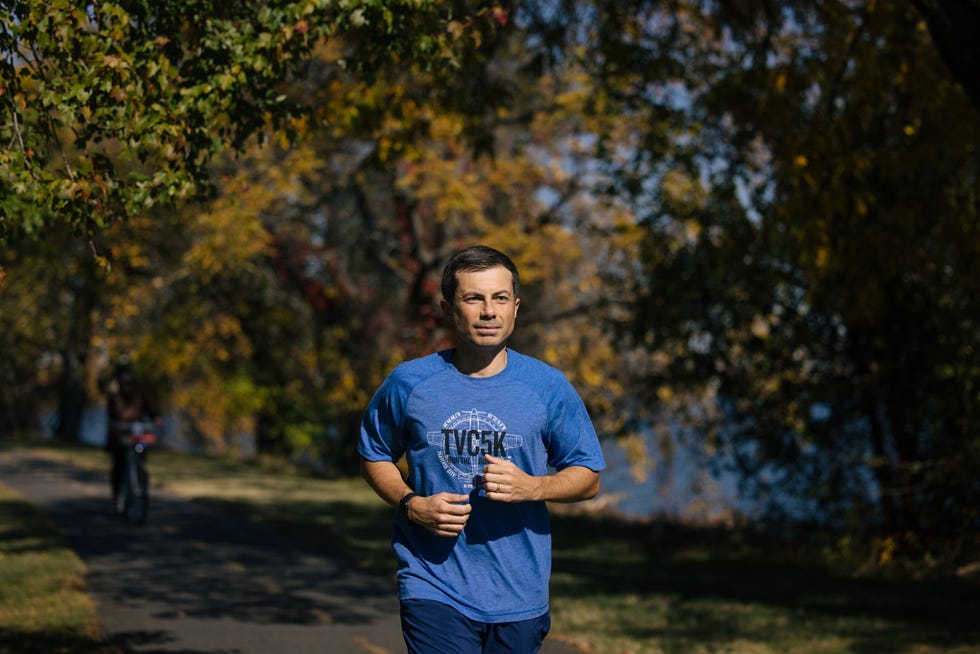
(126, 487)
(144, 493)
(135, 489)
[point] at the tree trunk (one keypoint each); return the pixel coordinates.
(890, 502)
(71, 403)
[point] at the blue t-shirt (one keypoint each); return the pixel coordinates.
(498, 569)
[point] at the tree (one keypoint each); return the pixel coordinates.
(807, 174)
(361, 221)
(111, 108)
(114, 110)
(46, 332)
(751, 224)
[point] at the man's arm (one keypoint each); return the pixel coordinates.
(386, 480)
(504, 481)
(444, 514)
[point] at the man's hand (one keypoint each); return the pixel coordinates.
(505, 482)
(444, 514)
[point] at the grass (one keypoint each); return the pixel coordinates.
(43, 605)
(620, 587)
(644, 589)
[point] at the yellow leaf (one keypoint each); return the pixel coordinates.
(455, 28)
(760, 327)
(861, 207)
(822, 257)
(781, 81)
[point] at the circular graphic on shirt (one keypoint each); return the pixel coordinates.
(465, 437)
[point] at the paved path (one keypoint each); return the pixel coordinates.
(195, 580)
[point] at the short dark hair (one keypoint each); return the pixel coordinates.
(474, 259)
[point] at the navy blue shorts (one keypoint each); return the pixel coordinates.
(432, 627)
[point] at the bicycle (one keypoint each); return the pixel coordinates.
(134, 493)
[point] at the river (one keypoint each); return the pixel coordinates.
(678, 488)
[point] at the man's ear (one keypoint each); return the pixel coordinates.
(446, 307)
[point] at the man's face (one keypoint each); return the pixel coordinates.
(484, 309)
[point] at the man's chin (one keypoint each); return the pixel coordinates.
(486, 342)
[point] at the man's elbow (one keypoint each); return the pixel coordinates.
(366, 470)
(592, 487)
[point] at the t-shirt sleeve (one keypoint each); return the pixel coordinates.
(381, 434)
(571, 438)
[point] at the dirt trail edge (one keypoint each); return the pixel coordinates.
(196, 580)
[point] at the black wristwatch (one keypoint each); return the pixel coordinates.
(403, 504)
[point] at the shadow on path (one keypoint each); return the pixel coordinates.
(197, 580)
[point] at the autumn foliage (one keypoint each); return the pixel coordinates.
(751, 230)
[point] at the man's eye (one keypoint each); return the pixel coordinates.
(502, 299)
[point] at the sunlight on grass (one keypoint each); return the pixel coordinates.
(43, 604)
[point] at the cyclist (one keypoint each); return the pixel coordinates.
(125, 404)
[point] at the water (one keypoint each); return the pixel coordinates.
(678, 488)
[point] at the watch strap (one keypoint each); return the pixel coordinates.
(403, 503)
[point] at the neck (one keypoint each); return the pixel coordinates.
(479, 362)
